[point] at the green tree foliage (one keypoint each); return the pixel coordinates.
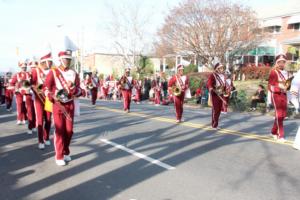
(239, 101)
(195, 82)
(146, 67)
(191, 69)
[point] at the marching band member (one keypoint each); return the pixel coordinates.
(278, 86)
(157, 87)
(228, 88)
(9, 91)
(125, 84)
(62, 84)
(138, 88)
(105, 89)
(86, 83)
(21, 83)
(93, 85)
(216, 86)
(177, 85)
(32, 64)
(43, 117)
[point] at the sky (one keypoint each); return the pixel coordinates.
(29, 24)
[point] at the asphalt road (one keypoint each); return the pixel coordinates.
(145, 155)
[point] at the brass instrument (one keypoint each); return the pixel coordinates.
(40, 88)
(39, 92)
(176, 90)
(288, 83)
(219, 90)
(25, 85)
(62, 96)
(90, 86)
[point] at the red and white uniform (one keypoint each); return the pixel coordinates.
(58, 79)
(43, 118)
(279, 99)
(9, 92)
(138, 88)
(127, 91)
(157, 87)
(183, 82)
(105, 89)
(216, 80)
(21, 94)
(94, 80)
(226, 97)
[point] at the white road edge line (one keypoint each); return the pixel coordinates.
(139, 155)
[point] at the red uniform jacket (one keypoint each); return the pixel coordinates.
(277, 76)
(212, 83)
(182, 81)
(53, 83)
(17, 81)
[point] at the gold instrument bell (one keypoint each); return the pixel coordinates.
(25, 85)
(288, 83)
(219, 90)
(62, 96)
(176, 90)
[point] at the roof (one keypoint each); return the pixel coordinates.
(293, 41)
(281, 16)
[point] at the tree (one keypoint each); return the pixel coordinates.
(210, 28)
(146, 66)
(128, 31)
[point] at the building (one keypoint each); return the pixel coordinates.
(109, 64)
(285, 38)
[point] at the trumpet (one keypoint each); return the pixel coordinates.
(176, 90)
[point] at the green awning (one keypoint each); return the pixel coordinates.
(262, 51)
(259, 51)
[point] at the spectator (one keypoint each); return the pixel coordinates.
(198, 95)
(259, 97)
